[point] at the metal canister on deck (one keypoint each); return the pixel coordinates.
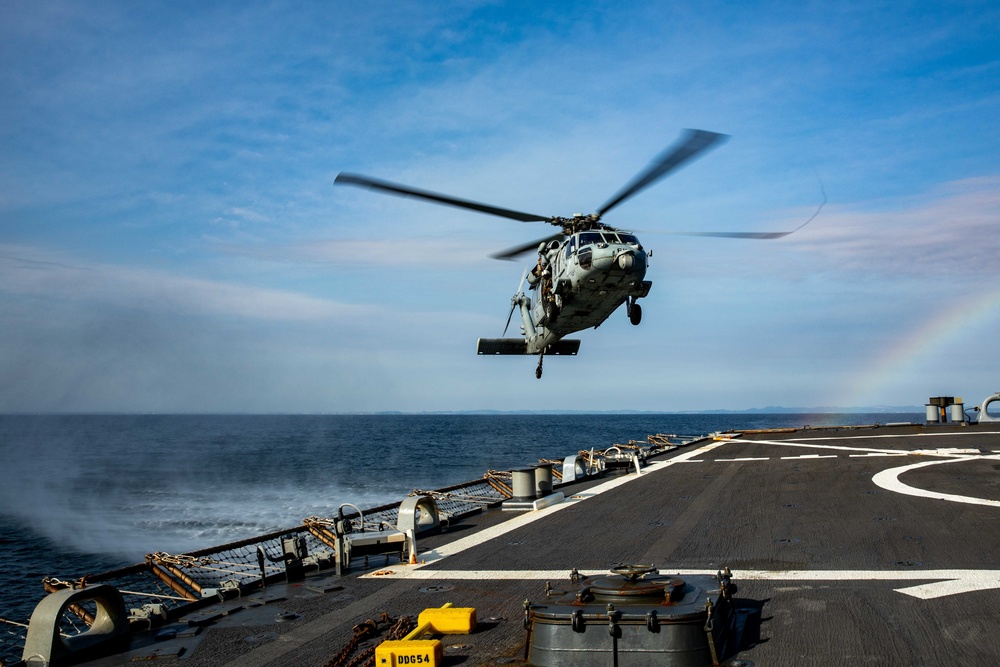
(523, 484)
(543, 480)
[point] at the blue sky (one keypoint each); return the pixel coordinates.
(171, 239)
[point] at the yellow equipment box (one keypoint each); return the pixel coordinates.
(397, 653)
(449, 620)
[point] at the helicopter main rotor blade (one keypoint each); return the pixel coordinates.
(690, 145)
(511, 253)
(757, 235)
(735, 235)
(448, 200)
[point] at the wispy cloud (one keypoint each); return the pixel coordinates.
(952, 232)
(27, 271)
(444, 254)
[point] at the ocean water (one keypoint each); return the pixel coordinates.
(87, 493)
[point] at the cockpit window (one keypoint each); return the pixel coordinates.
(570, 246)
(610, 237)
(629, 239)
(587, 238)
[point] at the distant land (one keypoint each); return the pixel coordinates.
(769, 410)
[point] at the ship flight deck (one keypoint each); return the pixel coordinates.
(870, 544)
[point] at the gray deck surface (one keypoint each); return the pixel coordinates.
(843, 570)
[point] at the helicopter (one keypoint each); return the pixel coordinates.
(585, 271)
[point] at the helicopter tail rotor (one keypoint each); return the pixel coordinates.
(513, 305)
(515, 300)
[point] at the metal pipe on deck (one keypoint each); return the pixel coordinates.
(165, 577)
(183, 576)
(319, 531)
(493, 478)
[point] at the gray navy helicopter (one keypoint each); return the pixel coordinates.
(584, 272)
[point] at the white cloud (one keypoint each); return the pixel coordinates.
(950, 232)
(398, 253)
(27, 271)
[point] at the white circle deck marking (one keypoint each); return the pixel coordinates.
(889, 480)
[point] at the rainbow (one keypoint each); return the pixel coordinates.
(929, 339)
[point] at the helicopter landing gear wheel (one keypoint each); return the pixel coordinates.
(538, 369)
(635, 314)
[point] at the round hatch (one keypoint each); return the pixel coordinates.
(635, 583)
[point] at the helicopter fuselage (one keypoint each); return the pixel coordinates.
(579, 282)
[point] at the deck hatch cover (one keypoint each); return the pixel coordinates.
(636, 618)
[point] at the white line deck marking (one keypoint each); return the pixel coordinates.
(804, 445)
(951, 452)
(871, 454)
(809, 456)
(974, 581)
(748, 458)
(889, 480)
(507, 526)
(903, 435)
(944, 582)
